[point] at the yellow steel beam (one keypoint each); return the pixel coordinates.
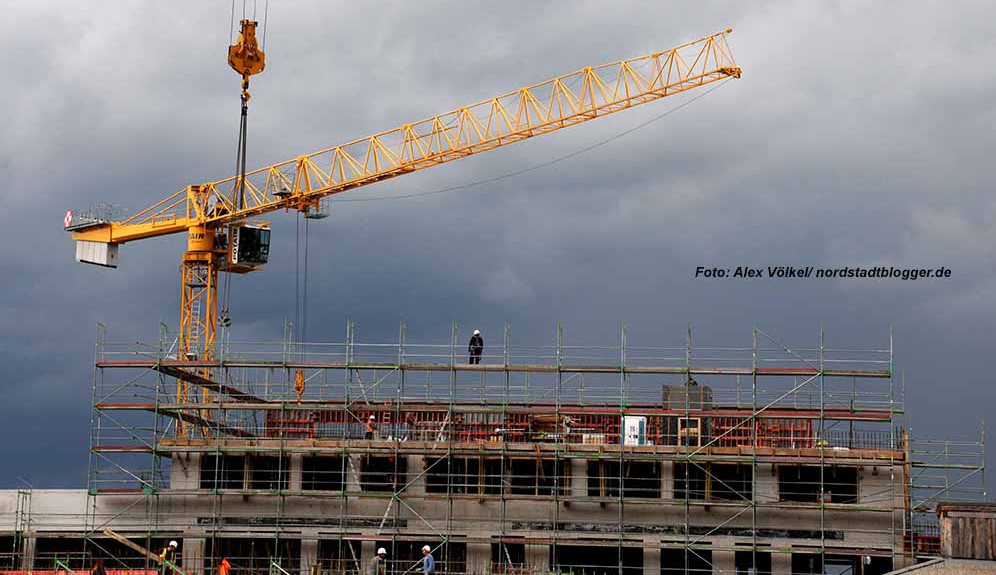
(118, 233)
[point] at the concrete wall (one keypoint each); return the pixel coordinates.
(185, 471)
(310, 516)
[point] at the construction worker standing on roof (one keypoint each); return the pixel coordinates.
(476, 347)
(371, 428)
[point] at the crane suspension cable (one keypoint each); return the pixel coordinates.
(304, 286)
(231, 26)
(301, 279)
(266, 14)
(297, 277)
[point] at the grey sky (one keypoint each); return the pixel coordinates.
(860, 134)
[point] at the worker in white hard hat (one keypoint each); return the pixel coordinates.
(168, 554)
(378, 565)
(370, 427)
(428, 563)
(476, 347)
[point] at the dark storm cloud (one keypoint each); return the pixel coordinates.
(860, 134)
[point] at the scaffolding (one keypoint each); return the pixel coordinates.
(559, 458)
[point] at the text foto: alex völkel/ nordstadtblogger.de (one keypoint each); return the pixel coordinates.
(807, 272)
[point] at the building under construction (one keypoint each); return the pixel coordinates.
(628, 458)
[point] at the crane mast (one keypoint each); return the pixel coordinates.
(217, 216)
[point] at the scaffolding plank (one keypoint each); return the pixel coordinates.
(324, 405)
(123, 448)
(188, 417)
(180, 368)
(175, 414)
(132, 545)
(808, 456)
(206, 383)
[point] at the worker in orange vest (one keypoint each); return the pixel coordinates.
(224, 568)
(370, 427)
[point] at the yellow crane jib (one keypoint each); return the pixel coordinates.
(218, 216)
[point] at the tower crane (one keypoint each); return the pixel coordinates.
(220, 217)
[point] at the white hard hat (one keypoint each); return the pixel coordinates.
(382, 551)
(426, 548)
(477, 332)
(373, 417)
(172, 544)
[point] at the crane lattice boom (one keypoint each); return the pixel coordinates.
(214, 214)
(556, 103)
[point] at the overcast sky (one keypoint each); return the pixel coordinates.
(860, 134)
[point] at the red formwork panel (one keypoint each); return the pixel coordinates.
(769, 432)
(292, 423)
(435, 423)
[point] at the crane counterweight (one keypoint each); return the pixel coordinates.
(97, 253)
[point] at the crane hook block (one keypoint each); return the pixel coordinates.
(244, 56)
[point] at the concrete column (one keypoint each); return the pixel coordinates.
(766, 483)
(192, 555)
(295, 472)
(478, 558)
(367, 550)
(353, 467)
(579, 477)
(724, 563)
(28, 555)
(309, 555)
(781, 564)
(667, 480)
(416, 466)
(652, 556)
(874, 482)
(185, 471)
(538, 558)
